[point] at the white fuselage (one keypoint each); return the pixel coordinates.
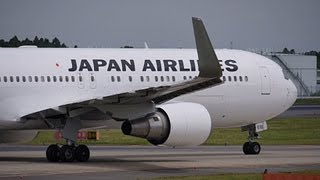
(27, 81)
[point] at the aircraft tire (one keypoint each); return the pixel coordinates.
(67, 153)
(82, 153)
(52, 153)
(255, 148)
(251, 148)
(246, 148)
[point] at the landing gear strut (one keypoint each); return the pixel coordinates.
(68, 153)
(251, 146)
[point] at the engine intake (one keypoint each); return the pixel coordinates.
(175, 124)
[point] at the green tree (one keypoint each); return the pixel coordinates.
(46, 43)
(36, 41)
(292, 51)
(26, 42)
(3, 43)
(42, 42)
(126, 46)
(56, 42)
(14, 42)
(285, 51)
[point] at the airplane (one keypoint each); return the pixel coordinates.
(173, 97)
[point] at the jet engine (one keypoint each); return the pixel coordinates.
(173, 124)
(17, 136)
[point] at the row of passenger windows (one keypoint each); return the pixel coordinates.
(235, 78)
(39, 78)
(156, 78)
(173, 78)
(113, 78)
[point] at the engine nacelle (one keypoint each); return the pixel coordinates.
(174, 124)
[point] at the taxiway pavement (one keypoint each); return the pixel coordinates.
(144, 162)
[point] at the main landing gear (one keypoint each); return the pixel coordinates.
(251, 147)
(67, 153)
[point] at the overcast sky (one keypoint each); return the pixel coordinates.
(260, 24)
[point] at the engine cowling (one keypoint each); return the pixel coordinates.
(174, 124)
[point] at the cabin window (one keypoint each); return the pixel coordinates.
(130, 78)
(118, 78)
(92, 78)
(240, 78)
(184, 77)
(162, 78)
(60, 78)
(235, 78)
(190, 77)
(112, 78)
(168, 78)
(54, 78)
(173, 78)
(36, 78)
(141, 78)
(24, 79)
(48, 79)
(229, 78)
(67, 78)
(147, 78)
(73, 79)
(30, 78)
(224, 78)
(246, 78)
(80, 78)
(156, 78)
(17, 78)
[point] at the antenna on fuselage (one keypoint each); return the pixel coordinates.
(146, 45)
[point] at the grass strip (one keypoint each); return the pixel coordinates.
(288, 131)
(314, 101)
(252, 176)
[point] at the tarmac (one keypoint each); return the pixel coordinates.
(147, 162)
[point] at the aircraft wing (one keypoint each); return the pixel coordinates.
(209, 75)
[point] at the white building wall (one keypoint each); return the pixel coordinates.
(305, 67)
(318, 81)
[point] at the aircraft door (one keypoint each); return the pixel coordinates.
(265, 81)
(80, 81)
(93, 81)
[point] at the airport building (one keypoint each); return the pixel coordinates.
(302, 69)
(318, 81)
